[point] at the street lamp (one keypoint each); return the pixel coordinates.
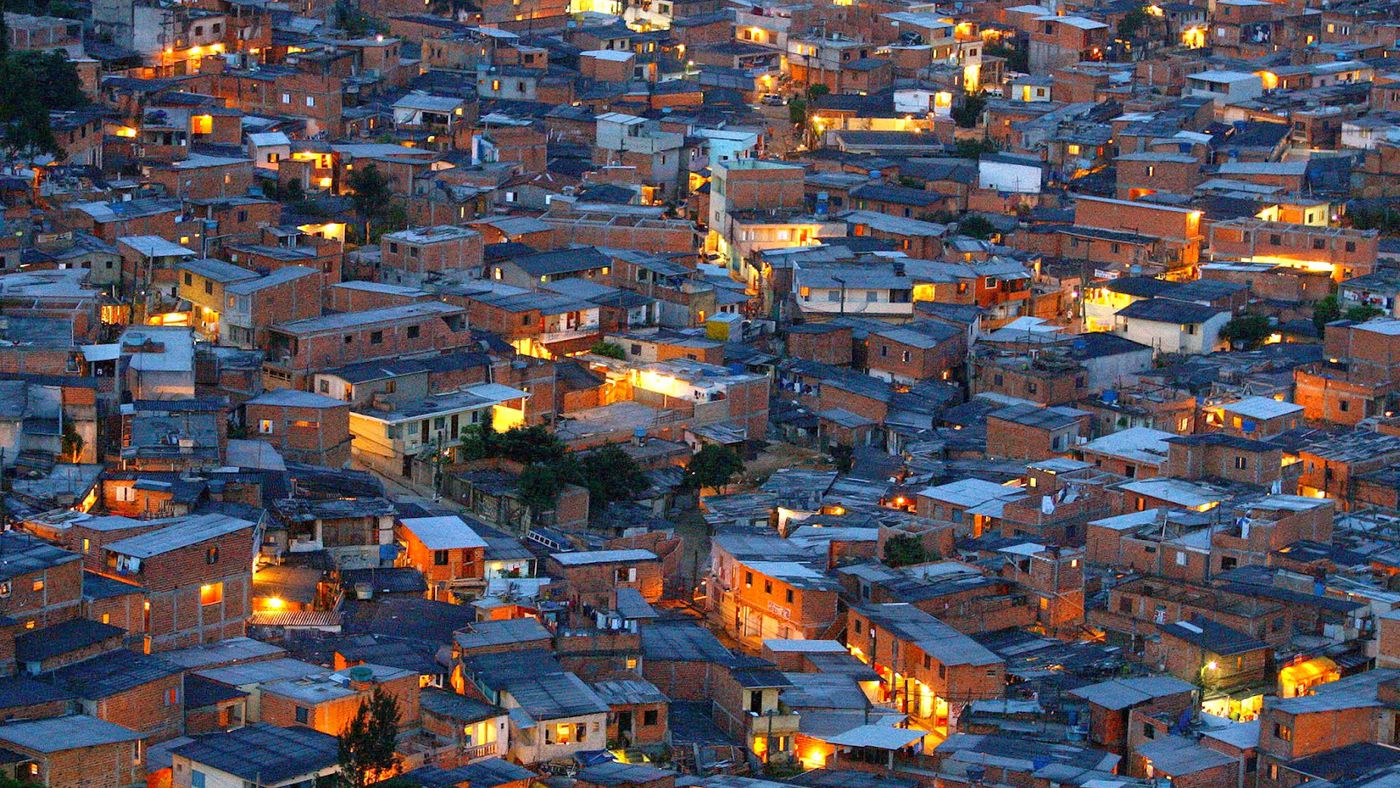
(841, 282)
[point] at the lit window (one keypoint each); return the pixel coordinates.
(38, 585)
(211, 594)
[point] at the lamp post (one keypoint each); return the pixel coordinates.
(841, 281)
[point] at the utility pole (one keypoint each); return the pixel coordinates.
(842, 282)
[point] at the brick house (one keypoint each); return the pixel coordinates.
(41, 584)
(1026, 432)
(921, 350)
(327, 704)
(478, 730)
(141, 692)
(197, 574)
(590, 577)
(1223, 661)
(1112, 703)
(824, 343)
(638, 711)
(761, 587)
(928, 669)
(432, 250)
(300, 348)
(302, 426)
(445, 549)
(77, 751)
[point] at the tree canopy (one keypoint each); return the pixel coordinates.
(713, 466)
(1249, 330)
(367, 745)
(374, 201)
(31, 85)
(906, 549)
(1325, 311)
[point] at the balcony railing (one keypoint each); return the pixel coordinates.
(563, 335)
(479, 751)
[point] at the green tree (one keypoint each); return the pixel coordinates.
(1248, 330)
(56, 83)
(906, 549)
(610, 474)
(713, 466)
(538, 487)
(528, 445)
(975, 226)
(1017, 59)
(353, 21)
(973, 149)
(367, 745)
(797, 112)
(608, 350)
(479, 440)
(969, 113)
(1325, 311)
(371, 198)
(1363, 312)
(1132, 24)
(815, 92)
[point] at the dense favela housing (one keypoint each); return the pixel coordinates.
(700, 393)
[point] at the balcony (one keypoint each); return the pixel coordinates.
(477, 752)
(566, 334)
(783, 722)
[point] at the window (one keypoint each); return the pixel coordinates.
(884, 351)
(197, 779)
(649, 717)
(768, 587)
(1344, 405)
(833, 295)
(303, 715)
(286, 98)
(189, 280)
(748, 580)
(1283, 732)
(1151, 171)
(37, 585)
(1275, 239)
(1241, 463)
(1180, 558)
(376, 337)
(211, 594)
(635, 349)
(211, 556)
(172, 696)
(413, 332)
(439, 558)
(1351, 246)
(349, 339)
(310, 101)
(625, 574)
(1148, 732)
(1032, 387)
(905, 356)
(265, 426)
(789, 596)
